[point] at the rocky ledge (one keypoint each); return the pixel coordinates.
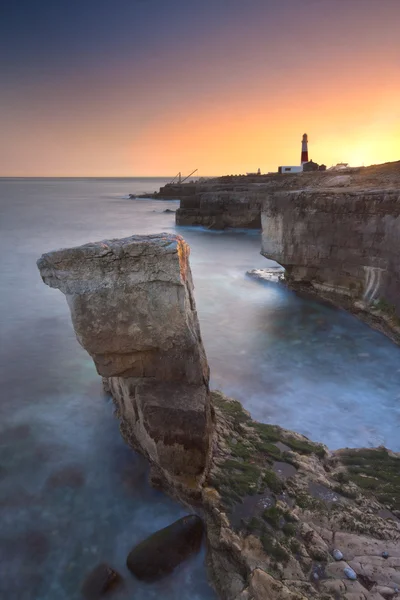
(288, 520)
(285, 519)
(236, 201)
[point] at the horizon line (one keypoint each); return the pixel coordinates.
(98, 176)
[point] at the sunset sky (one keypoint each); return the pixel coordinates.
(153, 87)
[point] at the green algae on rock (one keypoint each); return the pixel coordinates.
(273, 536)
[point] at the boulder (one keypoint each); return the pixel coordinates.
(99, 581)
(133, 310)
(162, 552)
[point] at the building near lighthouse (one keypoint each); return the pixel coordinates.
(295, 169)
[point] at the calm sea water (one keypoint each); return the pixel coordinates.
(71, 493)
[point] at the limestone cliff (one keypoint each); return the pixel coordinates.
(133, 310)
(235, 201)
(340, 241)
(221, 208)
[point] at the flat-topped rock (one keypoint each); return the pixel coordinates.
(132, 305)
(133, 310)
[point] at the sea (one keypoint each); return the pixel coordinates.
(72, 494)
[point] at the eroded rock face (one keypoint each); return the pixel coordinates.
(339, 241)
(133, 310)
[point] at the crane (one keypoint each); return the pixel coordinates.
(179, 176)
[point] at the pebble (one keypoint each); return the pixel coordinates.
(315, 576)
(350, 574)
(337, 555)
(385, 554)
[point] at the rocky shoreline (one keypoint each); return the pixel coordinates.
(278, 506)
(285, 519)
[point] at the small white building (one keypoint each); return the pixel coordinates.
(297, 169)
(339, 167)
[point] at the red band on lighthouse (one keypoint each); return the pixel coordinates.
(304, 149)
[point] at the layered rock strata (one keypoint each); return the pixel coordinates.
(236, 201)
(221, 209)
(133, 310)
(343, 242)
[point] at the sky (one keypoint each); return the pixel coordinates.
(153, 87)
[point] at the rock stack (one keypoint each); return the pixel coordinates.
(133, 310)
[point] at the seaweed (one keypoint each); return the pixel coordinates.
(274, 549)
(375, 471)
(273, 516)
(289, 529)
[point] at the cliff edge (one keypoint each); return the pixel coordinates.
(342, 243)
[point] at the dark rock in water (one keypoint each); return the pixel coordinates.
(168, 210)
(132, 196)
(158, 555)
(99, 581)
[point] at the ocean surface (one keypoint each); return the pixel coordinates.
(71, 493)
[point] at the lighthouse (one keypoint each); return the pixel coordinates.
(304, 149)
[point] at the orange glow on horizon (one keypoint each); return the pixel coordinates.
(361, 128)
(235, 96)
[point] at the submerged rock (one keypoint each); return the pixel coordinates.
(99, 581)
(162, 552)
(133, 310)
